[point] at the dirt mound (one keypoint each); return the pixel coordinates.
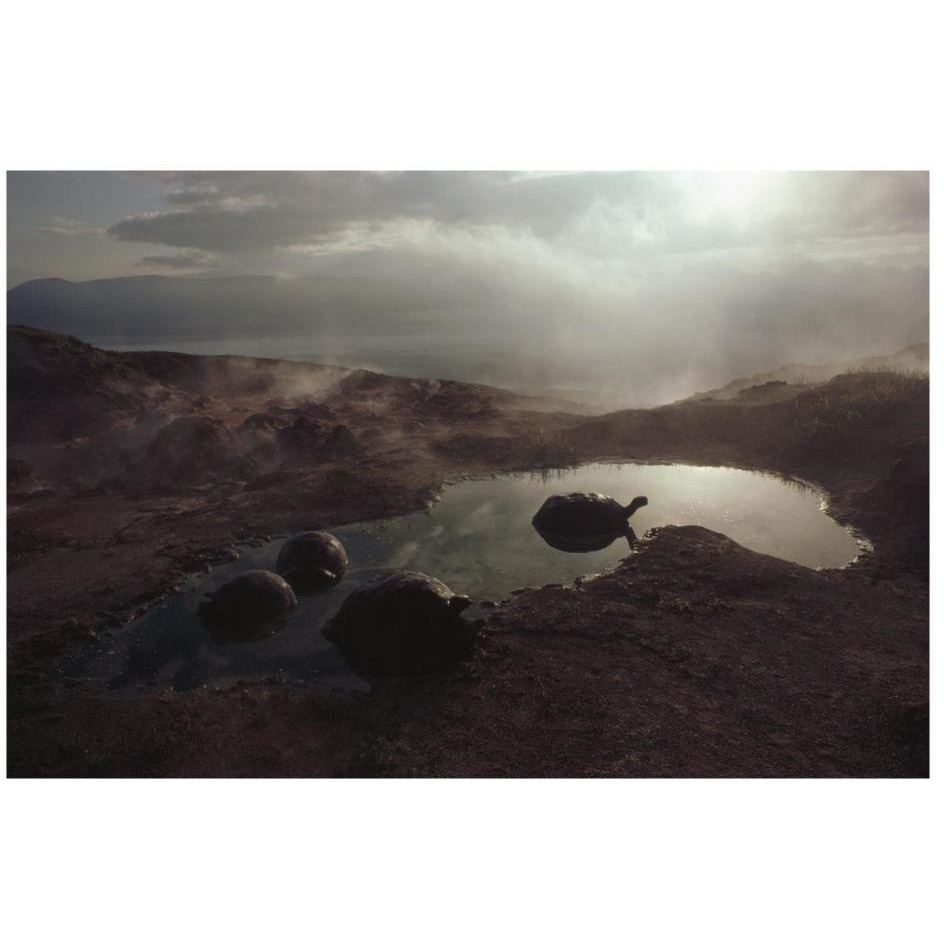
(342, 442)
(188, 452)
(900, 501)
(226, 376)
(908, 482)
(771, 392)
(471, 446)
(284, 407)
(260, 422)
(914, 359)
(60, 387)
(302, 441)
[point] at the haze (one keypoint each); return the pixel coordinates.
(635, 288)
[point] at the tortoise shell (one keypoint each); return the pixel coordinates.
(253, 597)
(312, 560)
(402, 623)
(583, 513)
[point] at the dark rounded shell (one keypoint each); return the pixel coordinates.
(253, 597)
(402, 623)
(312, 558)
(580, 513)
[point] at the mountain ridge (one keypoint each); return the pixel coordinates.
(913, 357)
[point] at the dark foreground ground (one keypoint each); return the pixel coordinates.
(695, 657)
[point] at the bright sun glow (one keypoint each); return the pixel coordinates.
(732, 193)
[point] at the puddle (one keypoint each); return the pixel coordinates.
(478, 539)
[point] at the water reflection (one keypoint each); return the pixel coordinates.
(479, 540)
(226, 632)
(312, 583)
(585, 543)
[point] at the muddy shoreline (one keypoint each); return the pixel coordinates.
(694, 657)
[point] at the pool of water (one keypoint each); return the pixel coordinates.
(478, 539)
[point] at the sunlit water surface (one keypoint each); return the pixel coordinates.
(478, 539)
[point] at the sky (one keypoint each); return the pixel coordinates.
(746, 271)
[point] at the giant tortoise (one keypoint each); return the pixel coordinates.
(311, 561)
(585, 513)
(253, 597)
(402, 623)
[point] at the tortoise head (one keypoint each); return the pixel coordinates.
(638, 502)
(458, 603)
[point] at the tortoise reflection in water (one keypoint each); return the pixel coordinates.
(585, 543)
(224, 632)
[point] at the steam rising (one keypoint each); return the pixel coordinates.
(643, 286)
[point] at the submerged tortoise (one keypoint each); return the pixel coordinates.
(253, 597)
(585, 513)
(312, 560)
(402, 623)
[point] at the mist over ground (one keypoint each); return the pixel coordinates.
(628, 288)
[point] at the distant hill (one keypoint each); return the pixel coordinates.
(162, 306)
(60, 387)
(767, 387)
(421, 328)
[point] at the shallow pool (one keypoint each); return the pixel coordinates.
(478, 539)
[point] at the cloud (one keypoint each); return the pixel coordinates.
(192, 259)
(591, 214)
(60, 226)
(655, 283)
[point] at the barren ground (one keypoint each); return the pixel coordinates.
(695, 657)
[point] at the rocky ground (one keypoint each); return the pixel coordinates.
(695, 657)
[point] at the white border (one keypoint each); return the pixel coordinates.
(492, 85)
